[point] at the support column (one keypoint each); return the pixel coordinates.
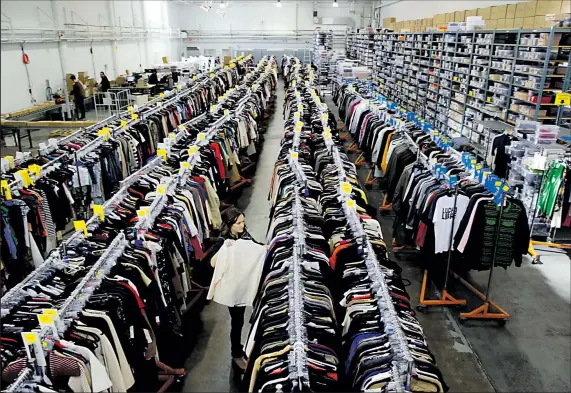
(57, 25)
(113, 23)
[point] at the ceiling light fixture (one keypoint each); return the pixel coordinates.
(206, 6)
(222, 4)
(335, 3)
(279, 4)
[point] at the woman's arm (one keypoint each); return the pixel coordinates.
(213, 260)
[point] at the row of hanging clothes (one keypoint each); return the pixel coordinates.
(163, 246)
(147, 289)
(438, 217)
(357, 248)
(292, 345)
(88, 171)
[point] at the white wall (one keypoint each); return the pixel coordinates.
(418, 9)
(112, 57)
(248, 22)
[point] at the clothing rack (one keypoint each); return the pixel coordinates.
(404, 360)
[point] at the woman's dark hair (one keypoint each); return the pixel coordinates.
(229, 218)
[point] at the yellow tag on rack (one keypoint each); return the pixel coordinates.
(162, 153)
(563, 99)
(351, 203)
(134, 116)
(294, 155)
(124, 124)
(346, 187)
(160, 104)
(212, 74)
(300, 107)
(172, 135)
(98, 209)
(181, 127)
(225, 67)
(486, 174)
(470, 93)
(130, 108)
(201, 136)
(30, 338)
(26, 177)
(80, 226)
(318, 100)
(142, 212)
(193, 149)
(498, 183)
(45, 319)
(226, 112)
(162, 189)
(473, 161)
(50, 311)
(179, 86)
(220, 99)
(35, 169)
(185, 165)
(10, 159)
(213, 108)
(194, 77)
(478, 167)
(6, 190)
(455, 79)
(232, 65)
(162, 95)
(489, 99)
(435, 133)
(104, 132)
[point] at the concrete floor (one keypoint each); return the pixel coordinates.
(209, 367)
(530, 353)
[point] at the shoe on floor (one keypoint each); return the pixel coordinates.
(241, 363)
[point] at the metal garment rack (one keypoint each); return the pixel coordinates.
(68, 310)
(482, 312)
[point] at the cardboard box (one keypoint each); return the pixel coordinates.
(531, 7)
(528, 22)
(521, 9)
(82, 76)
(510, 12)
(439, 18)
(499, 12)
(545, 7)
(450, 17)
(428, 21)
(471, 12)
(485, 13)
(505, 24)
(518, 23)
(491, 24)
(540, 22)
(165, 60)
(227, 60)
(386, 21)
(552, 19)
(565, 7)
(459, 16)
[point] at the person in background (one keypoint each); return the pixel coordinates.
(105, 84)
(153, 78)
(77, 93)
(234, 228)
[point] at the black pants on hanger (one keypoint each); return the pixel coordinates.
(237, 321)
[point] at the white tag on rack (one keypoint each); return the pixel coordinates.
(52, 142)
(43, 146)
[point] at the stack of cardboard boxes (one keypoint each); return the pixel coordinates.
(526, 15)
(88, 82)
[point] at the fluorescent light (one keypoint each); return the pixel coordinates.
(206, 6)
(335, 3)
(279, 4)
(222, 4)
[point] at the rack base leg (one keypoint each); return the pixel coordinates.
(384, 206)
(445, 300)
(531, 251)
(168, 375)
(483, 311)
(371, 179)
(360, 161)
(353, 147)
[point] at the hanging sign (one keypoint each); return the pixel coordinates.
(162, 189)
(181, 127)
(162, 153)
(563, 99)
(26, 179)
(172, 135)
(201, 136)
(6, 190)
(130, 108)
(162, 95)
(193, 149)
(213, 108)
(351, 204)
(294, 155)
(134, 116)
(124, 124)
(104, 132)
(98, 209)
(80, 226)
(346, 187)
(10, 160)
(35, 169)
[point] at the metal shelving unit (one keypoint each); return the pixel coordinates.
(508, 75)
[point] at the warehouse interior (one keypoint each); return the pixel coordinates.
(285, 195)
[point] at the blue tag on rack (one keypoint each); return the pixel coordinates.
(437, 169)
(453, 179)
(427, 127)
